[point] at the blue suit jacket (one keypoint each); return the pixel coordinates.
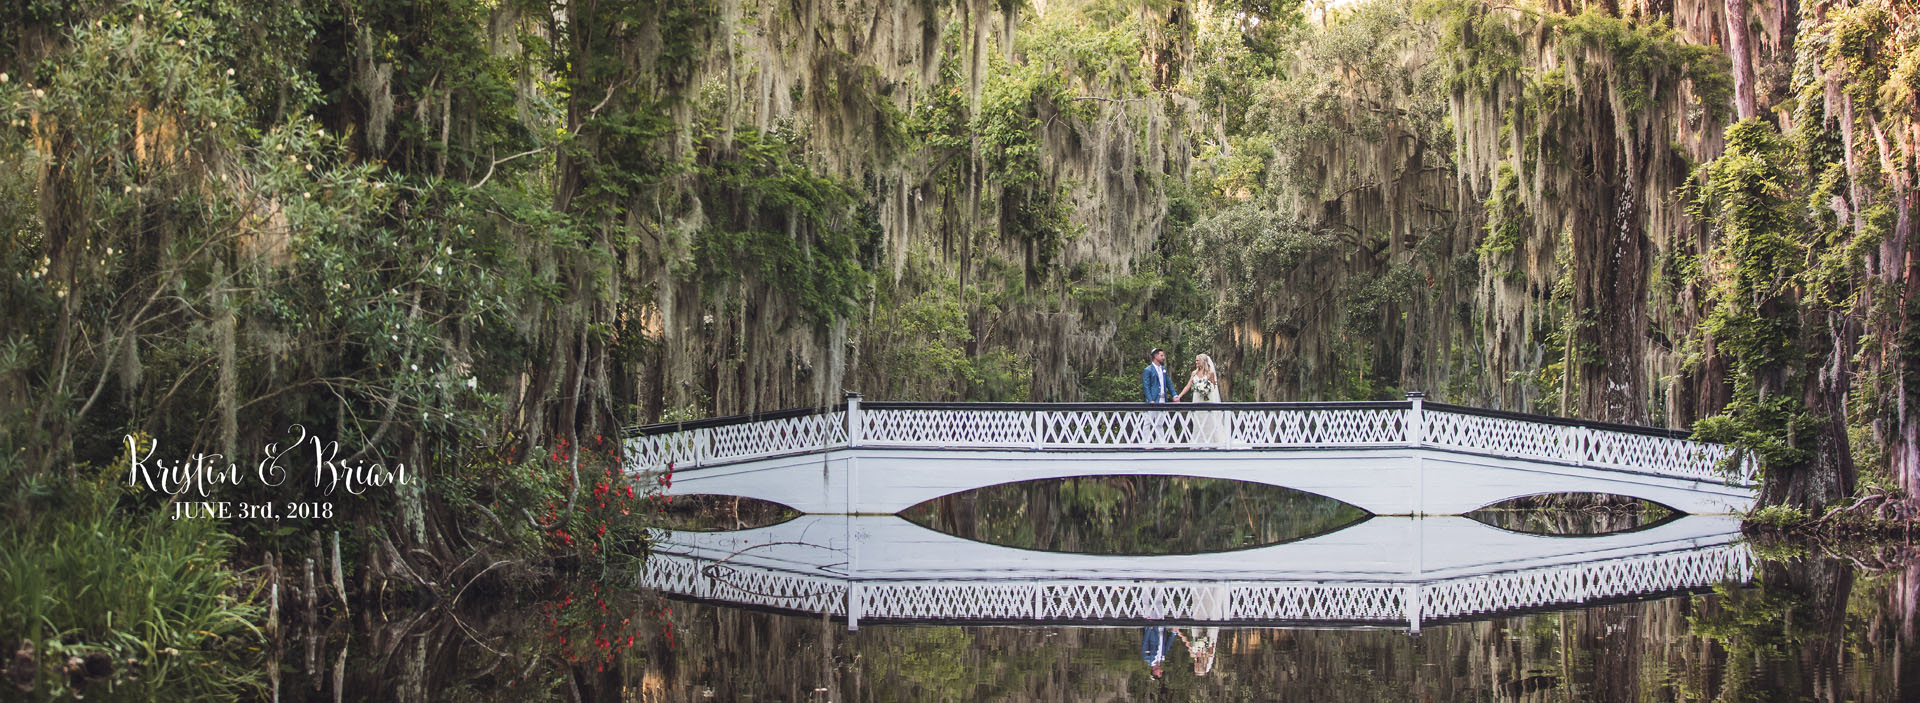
(1154, 644)
(1154, 386)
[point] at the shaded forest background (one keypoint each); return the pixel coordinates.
(456, 233)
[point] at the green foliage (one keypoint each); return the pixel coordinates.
(1484, 50)
(1508, 222)
(93, 574)
(1099, 46)
(1033, 209)
(1859, 50)
(802, 233)
(1646, 56)
(1248, 243)
(1747, 193)
(924, 347)
(1777, 516)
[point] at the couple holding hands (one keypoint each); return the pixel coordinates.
(1207, 429)
(1158, 386)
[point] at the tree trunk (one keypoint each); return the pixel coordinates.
(1739, 49)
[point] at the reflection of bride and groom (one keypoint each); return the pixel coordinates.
(1209, 603)
(1209, 428)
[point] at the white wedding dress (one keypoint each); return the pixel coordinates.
(1209, 428)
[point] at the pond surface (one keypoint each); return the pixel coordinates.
(1676, 609)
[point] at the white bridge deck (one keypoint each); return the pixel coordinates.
(1382, 572)
(1388, 458)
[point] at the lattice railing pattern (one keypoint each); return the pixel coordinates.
(1661, 455)
(747, 440)
(1116, 428)
(1120, 601)
(1503, 436)
(950, 428)
(1150, 427)
(1096, 600)
(771, 437)
(656, 451)
(1317, 428)
(1578, 583)
(1321, 602)
(703, 578)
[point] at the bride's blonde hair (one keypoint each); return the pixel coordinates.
(1213, 374)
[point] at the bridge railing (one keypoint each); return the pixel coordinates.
(1185, 426)
(1098, 599)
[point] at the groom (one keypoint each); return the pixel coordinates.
(1154, 382)
(1157, 388)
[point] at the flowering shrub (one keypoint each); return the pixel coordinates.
(565, 505)
(592, 625)
(573, 508)
(600, 518)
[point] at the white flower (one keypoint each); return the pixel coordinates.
(229, 71)
(3, 76)
(416, 367)
(38, 93)
(436, 270)
(471, 382)
(395, 337)
(449, 251)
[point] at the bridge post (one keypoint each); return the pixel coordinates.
(1411, 596)
(1416, 428)
(856, 606)
(853, 420)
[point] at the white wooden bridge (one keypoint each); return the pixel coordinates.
(1389, 458)
(1396, 572)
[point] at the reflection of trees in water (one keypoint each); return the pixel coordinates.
(1655, 650)
(720, 513)
(1572, 514)
(485, 653)
(1811, 629)
(1133, 515)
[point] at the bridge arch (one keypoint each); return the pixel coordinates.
(1177, 472)
(1571, 524)
(1381, 481)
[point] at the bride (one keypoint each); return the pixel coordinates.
(1209, 428)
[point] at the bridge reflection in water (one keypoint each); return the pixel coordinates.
(1392, 572)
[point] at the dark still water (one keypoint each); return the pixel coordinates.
(1073, 590)
(1808, 629)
